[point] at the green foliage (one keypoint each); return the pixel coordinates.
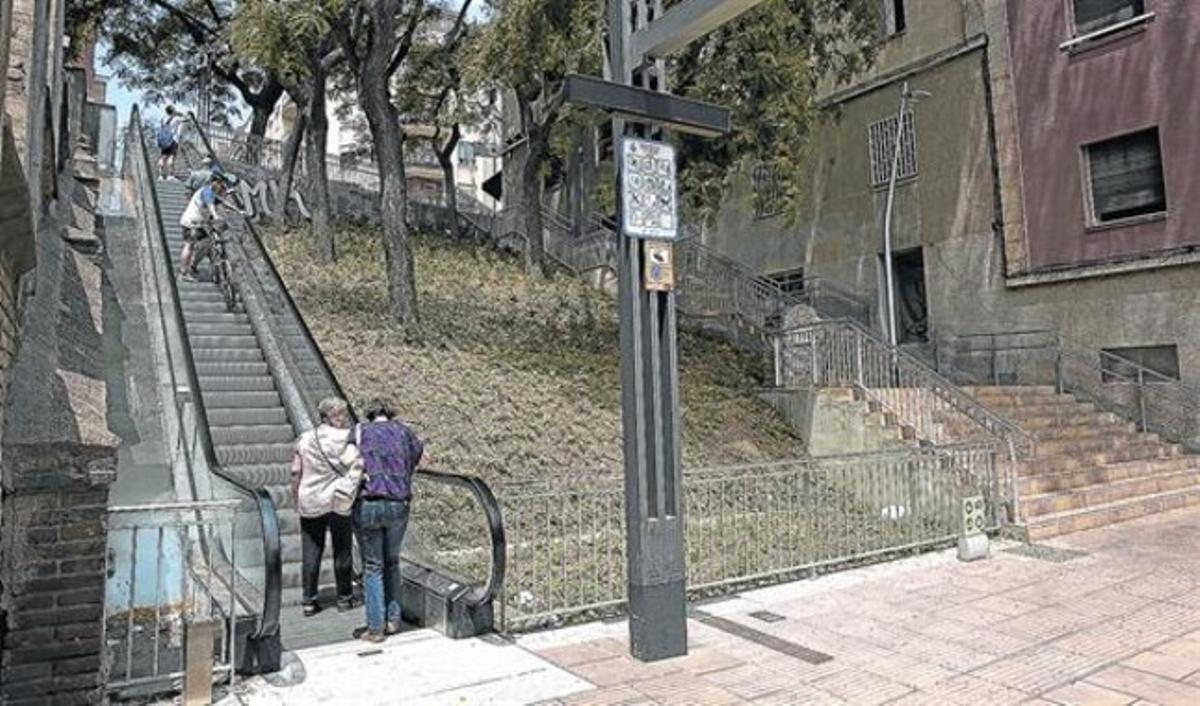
(767, 68)
(282, 36)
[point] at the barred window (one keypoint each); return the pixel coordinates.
(789, 281)
(1126, 176)
(1094, 15)
(768, 191)
(882, 140)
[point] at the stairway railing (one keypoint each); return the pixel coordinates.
(845, 354)
(460, 539)
(1153, 401)
(193, 438)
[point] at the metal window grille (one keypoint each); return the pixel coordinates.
(882, 140)
(768, 191)
(1127, 176)
(1093, 15)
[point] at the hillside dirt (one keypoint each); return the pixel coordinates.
(512, 376)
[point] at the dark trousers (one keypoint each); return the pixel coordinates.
(312, 546)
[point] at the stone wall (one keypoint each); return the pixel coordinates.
(54, 540)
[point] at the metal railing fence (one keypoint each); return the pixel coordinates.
(1153, 401)
(168, 574)
(744, 525)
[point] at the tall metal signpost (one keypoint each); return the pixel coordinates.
(640, 35)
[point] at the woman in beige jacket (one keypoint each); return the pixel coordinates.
(324, 483)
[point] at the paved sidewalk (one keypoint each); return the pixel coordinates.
(1110, 616)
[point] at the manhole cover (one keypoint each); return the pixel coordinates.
(767, 616)
(1044, 552)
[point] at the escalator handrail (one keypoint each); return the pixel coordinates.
(268, 514)
(477, 486)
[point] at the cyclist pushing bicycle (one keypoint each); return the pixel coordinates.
(201, 216)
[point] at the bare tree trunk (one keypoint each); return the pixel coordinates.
(262, 104)
(291, 154)
(531, 199)
(318, 176)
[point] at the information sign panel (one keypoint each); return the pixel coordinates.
(648, 201)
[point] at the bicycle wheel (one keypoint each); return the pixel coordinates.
(228, 291)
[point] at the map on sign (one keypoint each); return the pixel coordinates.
(648, 206)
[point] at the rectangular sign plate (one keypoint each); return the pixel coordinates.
(648, 200)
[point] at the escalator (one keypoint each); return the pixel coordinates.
(260, 375)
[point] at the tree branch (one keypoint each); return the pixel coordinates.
(196, 28)
(406, 40)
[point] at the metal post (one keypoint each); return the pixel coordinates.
(1142, 399)
(887, 220)
(650, 421)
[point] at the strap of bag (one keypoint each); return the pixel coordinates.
(321, 449)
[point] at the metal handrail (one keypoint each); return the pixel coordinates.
(1004, 429)
(269, 518)
(478, 488)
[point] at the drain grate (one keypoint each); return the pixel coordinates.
(1045, 552)
(758, 637)
(767, 616)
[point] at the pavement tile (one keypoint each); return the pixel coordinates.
(1044, 624)
(797, 695)
(1160, 585)
(1164, 665)
(686, 689)
(751, 681)
(1146, 686)
(621, 670)
(1004, 606)
(707, 659)
(1186, 647)
(910, 672)
(1085, 694)
(1037, 672)
(594, 651)
(1105, 643)
(862, 687)
(973, 615)
(1163, 618)
(969, 690)
(612, 696)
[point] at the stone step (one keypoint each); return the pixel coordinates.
(1033, 424)
(209, 294)
(243, 454)
(239, 383)
(232, 368)
(241, 400)
(1113, 441)
(1108, 493)
(253, 434)
(247, 416)
(1050, 465)
(1060, 408)
(226, 355)
(1070, 480)
(1084, 431)
(1061, 523)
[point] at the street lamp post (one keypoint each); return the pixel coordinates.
(906, 97)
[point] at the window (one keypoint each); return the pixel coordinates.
(1160, 364)
(1126, 177)
(768, 192)
(466, 152)
(882, 139)
(895, 18)
(1094, 15)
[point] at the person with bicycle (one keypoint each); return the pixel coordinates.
(202, 214)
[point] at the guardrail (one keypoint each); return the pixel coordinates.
(1155, 402)
(185, 420)
(744, 525)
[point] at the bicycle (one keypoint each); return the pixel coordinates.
(221, 265)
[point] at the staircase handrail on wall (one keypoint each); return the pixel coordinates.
(187, 395)
(315, 379)
(1155, 402)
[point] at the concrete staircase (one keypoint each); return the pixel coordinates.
(250, 428)
(1090, 468)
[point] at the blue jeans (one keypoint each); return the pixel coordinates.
(380, 526)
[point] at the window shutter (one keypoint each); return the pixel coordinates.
(1127, 176)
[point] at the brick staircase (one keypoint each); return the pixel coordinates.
(1090, 468)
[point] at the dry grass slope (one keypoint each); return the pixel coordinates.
(512, 376)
